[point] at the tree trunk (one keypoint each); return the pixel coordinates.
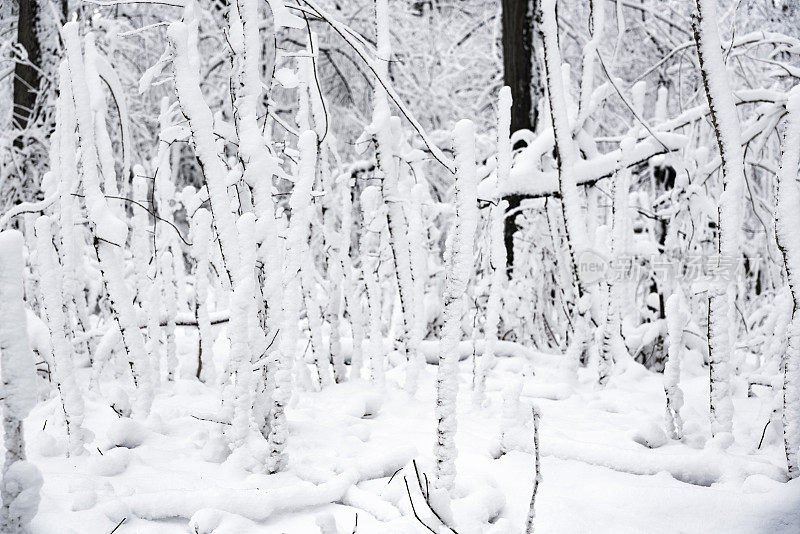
(521, 74)
(721, 340)
(27, 77)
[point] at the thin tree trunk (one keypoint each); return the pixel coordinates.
(726, 127)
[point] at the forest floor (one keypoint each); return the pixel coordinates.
(606, 464)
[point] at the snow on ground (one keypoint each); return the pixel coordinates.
(600, 474)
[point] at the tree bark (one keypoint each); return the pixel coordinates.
(27, 77)
(521, 73)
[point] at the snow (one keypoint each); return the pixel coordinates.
(591, 464)
(527, 176)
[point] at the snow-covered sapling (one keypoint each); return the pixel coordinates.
(350, 283)
(537, 477)
(21, 480)
(201, 243)
(497, 246)
(726, 127)
(613, 346)
(459, 268)
(787, 224)
(386, 171)
(299, 204)
(370, 245)
(110, 233)
(676, 321)
(52, 288)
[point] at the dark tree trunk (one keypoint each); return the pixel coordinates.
(26, 77)
(518, 59)
(521, 74)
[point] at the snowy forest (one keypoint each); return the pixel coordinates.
(400, 266)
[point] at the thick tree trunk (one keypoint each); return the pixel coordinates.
(26, 76)
(518, 61)
(521, 74)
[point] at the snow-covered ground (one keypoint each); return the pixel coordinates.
(607, 465)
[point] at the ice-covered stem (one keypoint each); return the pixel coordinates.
(566, 153)
(787, 224)
(726, 127)
(311, 163)
(596, 22)
(497, 245)
(21, 481)
(170, 270)
(201, 243)
(458, 271)
(259, 168)
(301, 222)
(70, 249)
(417, 239)
(97, 100)
(152, 307)
(612, 342)
(147, 280)
(676, 321)
(165, 198)
(314, 316)
(201, 123)
(296, 243)
(141, 239)
(332, 315)
(537, 478)
(241, 304)
(334, 266)
(170, 300)
(109, 232)
(386, 171)
(373, 221)
(259, 164)
(352, 295)
(50, 282)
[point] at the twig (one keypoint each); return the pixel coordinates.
(393, 475)
(414, 510)
(28, 207)
(118, 525)
(148, 211)
(625, 101)
(537, 478)
(210, 420)
(763, 433)
(349, 37)
(426, 494)
(256, 364)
